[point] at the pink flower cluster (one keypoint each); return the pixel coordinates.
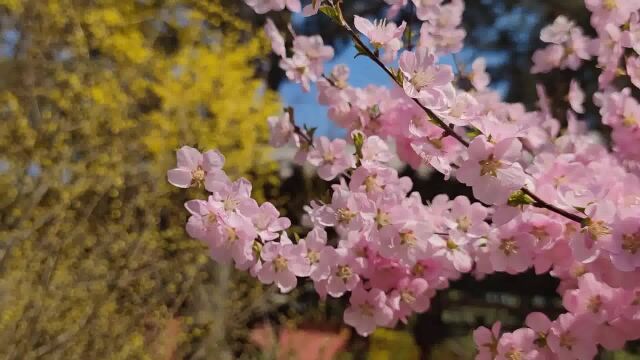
(554, 200)
(264, 6)
(568, 47)
(621, 111)
(383, 35)
(599, 315)
(617, 50)
(306, 64)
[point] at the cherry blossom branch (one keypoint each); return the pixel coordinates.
(297, 129)
(331, 82)
(537, 201)
(447, 129)
(545, 205)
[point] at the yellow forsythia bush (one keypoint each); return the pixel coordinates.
(95, 97)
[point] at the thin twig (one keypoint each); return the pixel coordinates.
(297, 129)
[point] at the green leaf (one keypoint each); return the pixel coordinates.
(407, 36)
(358, 140)
(374, 111)
(331, 12)
(518, 198)
(361, 51)
(311, 131)
(473, 132)
(399, 77)
(257, 248)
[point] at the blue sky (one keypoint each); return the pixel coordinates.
(363, 72)
(309, 112)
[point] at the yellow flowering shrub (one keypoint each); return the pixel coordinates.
(95, 97)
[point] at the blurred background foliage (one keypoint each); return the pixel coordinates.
(96, 96)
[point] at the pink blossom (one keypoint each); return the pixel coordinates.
(571, 337)
(611, 11)
(541, 325)
(427, 8)
(312, 246)
(576, 97)
(266, 220)
(517, 345)
(407, 242)
(441, 40)
(205, 218)
(592, 297)
(491, 170)
(315, 50)
(504, 213)
(298, 69)
(631, 37)
(234, 241)
(624, 247)
(633, 70)
(547, 59)
(510, 249)
(396, 6)
(487, 341)
(423, 78)
(455, 249)
(576, 49)
(307, 63)
(348, 211)
(277, 41)
(478, 76)
(264, 6)
(367, 310)
(340, 268)
(382, 35)
(467, 218)
(437, 152)
(546, 230)
(543, 100)
(375, 150)
(596, 231)
(340, 76)
(331, 157)
(194, 168)
(281, 129)
(283, 261)
(465, 107)
(234, 196)
(441, 31)
(632, 300)
(608, 47)
(496, 129)
(394, 210)
(558, 32)
(611, 335)
(432, 145)
(312, 8)
(377, 181)
(410, 295)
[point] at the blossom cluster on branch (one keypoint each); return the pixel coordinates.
(557, 200)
